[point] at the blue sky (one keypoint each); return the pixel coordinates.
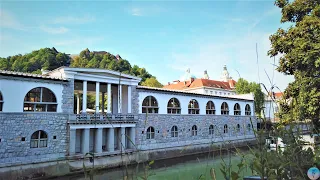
(165, 37)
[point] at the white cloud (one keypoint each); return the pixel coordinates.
(8, 20)
(136, 12)
(54, 30)
(74, 20)
(238, 54)
(145, 10)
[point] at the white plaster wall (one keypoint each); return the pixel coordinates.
(270, 109)
(184, 101)
(14, 91)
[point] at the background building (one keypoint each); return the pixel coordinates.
(223, 87)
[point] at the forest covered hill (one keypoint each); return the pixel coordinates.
(50, 58)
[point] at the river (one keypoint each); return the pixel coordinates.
(181, 168)
(186, 167)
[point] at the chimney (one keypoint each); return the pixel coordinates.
(231, 83)
(168, 83)
(205, 75)
(191, 79)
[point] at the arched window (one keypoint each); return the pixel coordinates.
(236, 109)
(1, 102)
(150, 105)
(249, 127)
(40, 99)
(39, 139)
(173, 106)
(225, 129)
(174, 131)
(194, 131)
(224, 108)
(238, 127)
(210, 109)
(211, 129)
(150, 133)
(193, 107)
(248, 110)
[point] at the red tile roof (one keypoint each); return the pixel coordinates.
(201, 83)
(278, 95)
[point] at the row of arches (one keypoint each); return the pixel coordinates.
(150, 133)
(39, 99)
(150, 105)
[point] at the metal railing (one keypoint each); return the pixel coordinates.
(102, 117)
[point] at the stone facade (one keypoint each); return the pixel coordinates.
(68, 97)
(15, 133)
(135, 100)
(163, 123)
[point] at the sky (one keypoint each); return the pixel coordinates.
(165, 37)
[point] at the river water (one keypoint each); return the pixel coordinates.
(184, 168)
(181, 168)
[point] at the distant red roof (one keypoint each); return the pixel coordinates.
(278, 94)
(180, 85)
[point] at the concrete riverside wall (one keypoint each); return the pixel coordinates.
(15, 133)
(163, 123)
(45, 170)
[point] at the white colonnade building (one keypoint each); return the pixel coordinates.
(108, 125)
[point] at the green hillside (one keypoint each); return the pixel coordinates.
(50, 58)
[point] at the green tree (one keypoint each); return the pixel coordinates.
(299, 46)
(152, 82)
(244, 87)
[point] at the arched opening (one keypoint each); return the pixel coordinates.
(174, 131)
(193, 107)
(248, 110)
(150, 105)
(238, 128)
(225, 129)
(173, 106)
(211, 129)
(194, 130)
(210, 109)
(1, 102)
(150, 133)
(249, 127)
(39, 139)
(40, 99)
(236, 109)
(224, 108)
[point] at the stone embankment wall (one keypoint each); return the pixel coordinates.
(15, 133)
(162, 124)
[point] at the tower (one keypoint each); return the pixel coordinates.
(225, 74)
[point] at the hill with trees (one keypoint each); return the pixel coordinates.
(50, 58)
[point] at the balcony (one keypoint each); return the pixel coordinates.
(102, 118)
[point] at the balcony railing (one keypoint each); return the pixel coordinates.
(103, 117)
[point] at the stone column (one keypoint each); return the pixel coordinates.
(110, 141)
(102, 102)
(109, 98)
(85, 136)
(123, 138)
(72, 143)
(97, 96)
(78, 103)
(98, 140)
(119, 98)
(132, 136)
(84, 97)
(129, 99)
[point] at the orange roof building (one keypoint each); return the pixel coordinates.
(223, 87)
